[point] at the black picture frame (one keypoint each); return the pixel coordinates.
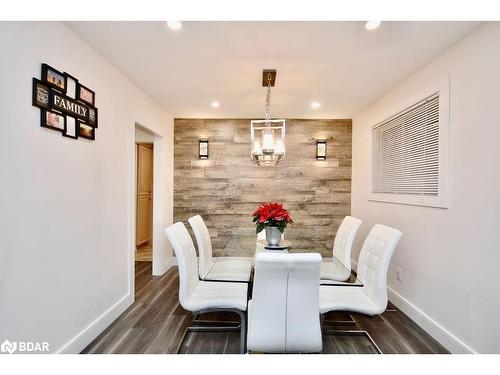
(47, 72)
(84, 134)
(58, 110)
(70, 77)
(65, 131)
(203, 148)
(39, 86)
(79, 87)
(93, 123)
(44, 124)
(321, 149)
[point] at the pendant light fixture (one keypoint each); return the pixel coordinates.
(268, 135)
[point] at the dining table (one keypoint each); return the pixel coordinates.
(247, 247)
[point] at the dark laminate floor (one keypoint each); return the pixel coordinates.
(155, 323)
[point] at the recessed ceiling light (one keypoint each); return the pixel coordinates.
(174, 25)
(215, 104)
(372, 25)
(315, 105)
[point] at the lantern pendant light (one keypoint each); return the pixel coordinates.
(267, 135)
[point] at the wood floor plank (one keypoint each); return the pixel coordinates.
(155, 323)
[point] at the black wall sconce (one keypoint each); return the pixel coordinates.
(321, 149)
(203, 148)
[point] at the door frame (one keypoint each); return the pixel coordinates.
(158, 203)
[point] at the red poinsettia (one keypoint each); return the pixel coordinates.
(272, 214)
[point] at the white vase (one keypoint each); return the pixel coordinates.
(273, 236)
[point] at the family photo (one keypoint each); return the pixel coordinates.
(54, 120)
(86, 95)
(53, 77)
(86, 131)
(40, 94)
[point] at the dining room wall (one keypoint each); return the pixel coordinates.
(449, 257)
(68, 206)
(228, 187)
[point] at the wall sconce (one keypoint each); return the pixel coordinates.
(203, 148)
(321, 149)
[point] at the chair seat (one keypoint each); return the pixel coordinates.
(332, 271)
(231, 269)
(346, 298)
(215, 295)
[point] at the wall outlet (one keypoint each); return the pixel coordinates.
(399, 274)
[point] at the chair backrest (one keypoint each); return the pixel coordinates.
(374, 260)
(186, 259)
(284, 313)
(204, 242)
(344, 238)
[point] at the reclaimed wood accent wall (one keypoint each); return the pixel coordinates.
(228, 187)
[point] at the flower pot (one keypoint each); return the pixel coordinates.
(273, 236)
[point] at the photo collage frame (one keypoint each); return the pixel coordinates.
(65, 104)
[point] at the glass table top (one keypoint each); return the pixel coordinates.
(333, 271)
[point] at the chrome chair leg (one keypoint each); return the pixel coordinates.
(355, 332)
(220, 327)
(336, 322)
(243, 331)
(390, 309)
(348, 332)
(225, 323)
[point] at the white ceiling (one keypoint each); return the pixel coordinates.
(339, 64)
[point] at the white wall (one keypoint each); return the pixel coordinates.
(449, 256)
(67, 206)
(143, 137)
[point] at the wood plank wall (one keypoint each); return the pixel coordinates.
(227, 188)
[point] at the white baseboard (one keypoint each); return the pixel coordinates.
(87, 335)
(94, 329)
(161, 270)
(438, 332)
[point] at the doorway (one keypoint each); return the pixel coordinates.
(147, 240)
(144, 150)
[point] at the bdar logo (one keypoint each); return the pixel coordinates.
(8, 347)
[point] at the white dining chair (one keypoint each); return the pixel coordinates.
(226, 268)
(200, 296)
(342, 248)
(283, 314)
(373, 264)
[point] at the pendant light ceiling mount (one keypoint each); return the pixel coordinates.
(268, 77)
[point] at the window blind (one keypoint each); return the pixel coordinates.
(406, 151)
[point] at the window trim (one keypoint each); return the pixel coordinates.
(442, 199)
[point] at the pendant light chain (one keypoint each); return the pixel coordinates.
(268, 100)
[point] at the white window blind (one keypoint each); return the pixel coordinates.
(406, 151)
